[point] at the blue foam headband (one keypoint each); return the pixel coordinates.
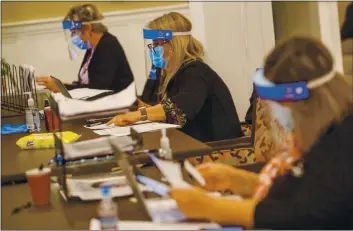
(157, 34)
(71, 25)
(279, 92)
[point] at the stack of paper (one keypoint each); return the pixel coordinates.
(108, 105)
(88, 189)
(140, 128)
(82, 93)
(96, 147)
(144, 225)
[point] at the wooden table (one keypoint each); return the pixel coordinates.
(71, 215)
(60, 215)
(16, 161)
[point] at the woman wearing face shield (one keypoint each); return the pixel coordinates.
(309, 184)
(191, 94)
(104, 65)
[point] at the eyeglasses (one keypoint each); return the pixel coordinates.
(75, 32)
(156, 43)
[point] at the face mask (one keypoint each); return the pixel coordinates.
(283, 115)
(156, 57)
(77, 41)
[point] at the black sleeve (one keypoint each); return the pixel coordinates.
(347, 27)
(321, 199)
(193, 91)
(110, 63)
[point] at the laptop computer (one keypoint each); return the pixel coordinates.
(156, 210)
(67, 94)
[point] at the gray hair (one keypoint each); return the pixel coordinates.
(87, 13)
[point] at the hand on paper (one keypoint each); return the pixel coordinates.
(47, 82)
(218, 177)
(193, 202)
(125, 119)
(221, 177)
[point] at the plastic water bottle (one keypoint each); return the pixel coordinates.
(32, 114)
(107, 210)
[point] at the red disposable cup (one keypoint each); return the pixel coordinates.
(39, 182)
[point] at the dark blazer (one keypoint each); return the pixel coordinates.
(109, 68)
(322, 198)
(200, 93)
(347, 27)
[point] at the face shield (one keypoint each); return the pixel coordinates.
(159, 48)
(276, 93)
(73, 35)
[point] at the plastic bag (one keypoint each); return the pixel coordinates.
(46, 140)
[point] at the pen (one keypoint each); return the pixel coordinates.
(94, 124)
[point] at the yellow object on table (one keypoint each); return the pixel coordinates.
(46, 140)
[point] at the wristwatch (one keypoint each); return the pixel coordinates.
(143, 113)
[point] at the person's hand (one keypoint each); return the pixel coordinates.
(221, 177)
(193, 202)
(142, 104)
(48, 82)
(125, 119)
(218, 177)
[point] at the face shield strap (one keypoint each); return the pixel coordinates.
(72, 25)
(288, 91)
(162, 34)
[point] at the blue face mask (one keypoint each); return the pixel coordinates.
(77, 41)
(156, 57)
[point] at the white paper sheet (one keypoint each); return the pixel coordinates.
(81, 93)
(105, 126)
(194, 173)
(145, 225)
(171, 171)
(125, 130)
(96, 147)
(109, 105)
(83, 188)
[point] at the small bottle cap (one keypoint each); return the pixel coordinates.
(105, 190)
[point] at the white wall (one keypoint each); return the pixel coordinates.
(316, 19)
(42, 44)
(236, 36)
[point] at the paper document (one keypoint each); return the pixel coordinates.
(96, 147)
(88, 189)
(82, 93)
(105, 126)
(109, 105)
(145, 225)
(194, 173)
(140, 128)
(171, 171)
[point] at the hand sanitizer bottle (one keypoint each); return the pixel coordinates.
(107, 210)
(32, 115)
(165, 150)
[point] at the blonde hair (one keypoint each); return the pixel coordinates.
(305, 59)
(87, 13)
(185, 48)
